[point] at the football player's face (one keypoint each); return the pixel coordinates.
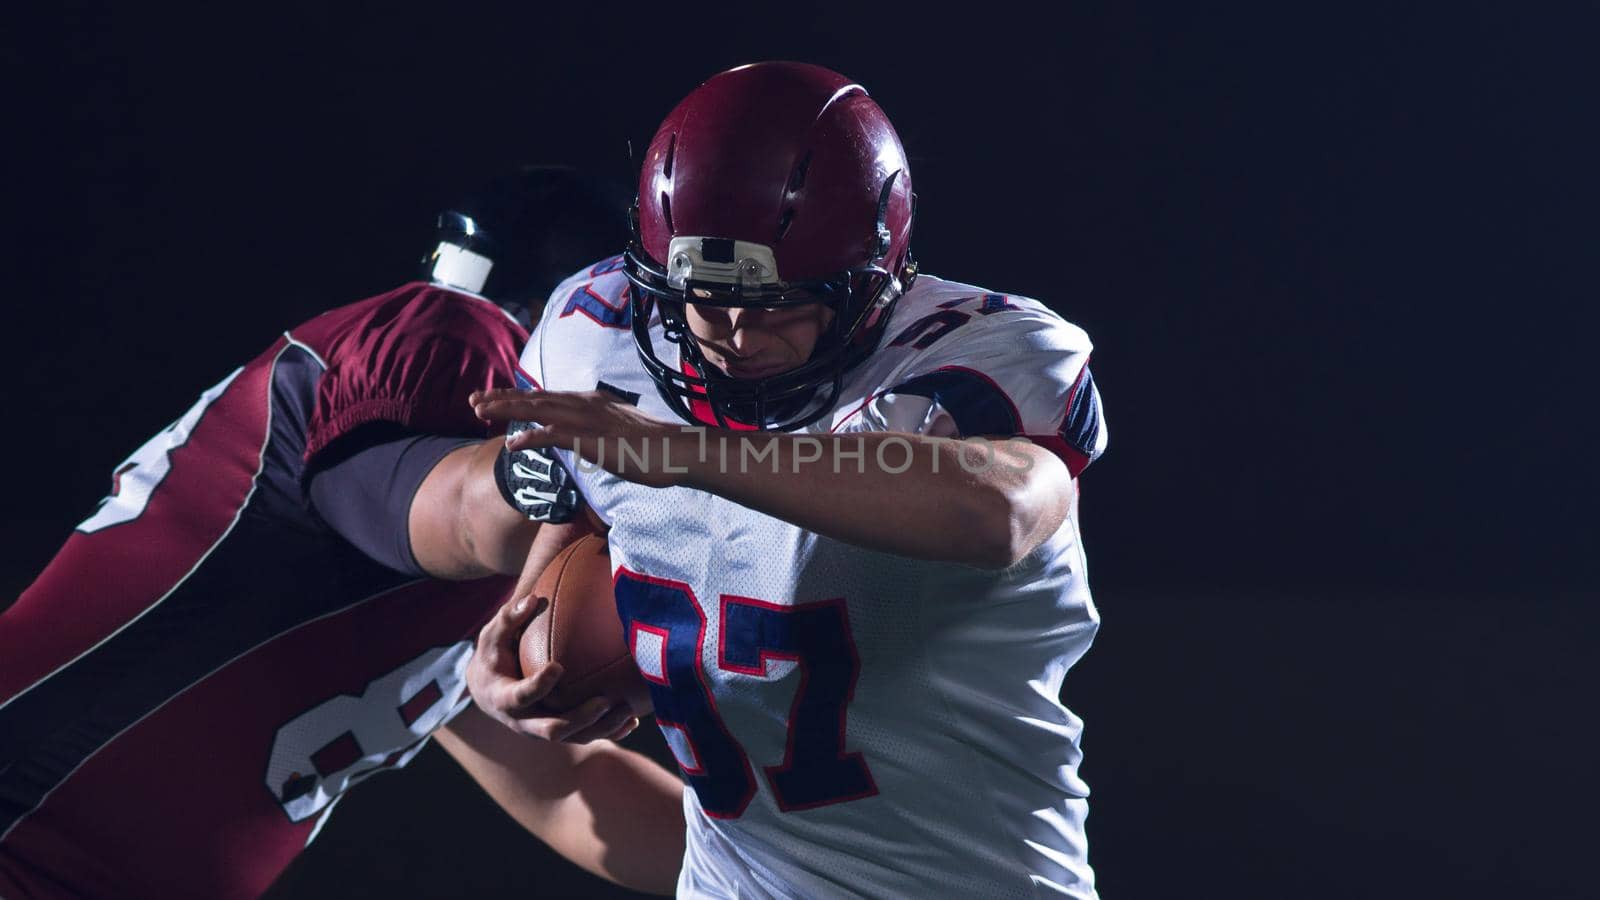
(756, 343)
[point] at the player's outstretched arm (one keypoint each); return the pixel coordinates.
(983, 503)
(605, 808)
(421, 504)
(986, 504)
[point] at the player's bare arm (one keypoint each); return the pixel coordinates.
(986, 504)
(607, 809)
(461, 525)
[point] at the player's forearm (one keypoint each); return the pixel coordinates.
(983, 504)
(625, 820)
(899, 493)
(607, 809)
(622, 819)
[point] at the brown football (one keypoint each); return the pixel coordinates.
(581, 631)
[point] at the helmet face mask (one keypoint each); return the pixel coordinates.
(781, 402)
(802, 215)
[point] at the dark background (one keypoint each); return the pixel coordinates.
(1338, 267)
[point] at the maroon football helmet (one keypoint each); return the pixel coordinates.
(770, 185)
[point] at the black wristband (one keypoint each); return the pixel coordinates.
(502, 471)
(534, 483)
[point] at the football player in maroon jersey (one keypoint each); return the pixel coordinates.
(280, 595)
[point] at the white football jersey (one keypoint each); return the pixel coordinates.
(854, 723)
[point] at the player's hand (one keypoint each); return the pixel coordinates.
(657, 451)
(494, 676)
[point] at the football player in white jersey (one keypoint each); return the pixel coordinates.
(841, 501)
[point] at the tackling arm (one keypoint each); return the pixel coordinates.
(420, 504)
(461, 527)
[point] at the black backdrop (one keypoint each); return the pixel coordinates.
(1337, 265)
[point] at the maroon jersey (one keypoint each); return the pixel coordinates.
(206, 665)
